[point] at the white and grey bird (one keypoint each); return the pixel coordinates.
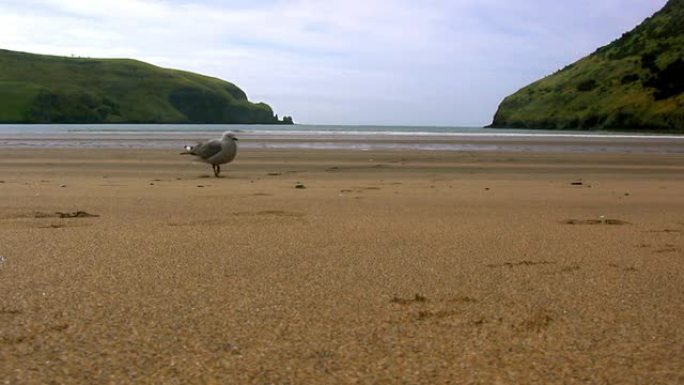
(215, 151)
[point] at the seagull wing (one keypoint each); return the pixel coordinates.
(207, 149)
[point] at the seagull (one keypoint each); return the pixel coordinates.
(215, 151)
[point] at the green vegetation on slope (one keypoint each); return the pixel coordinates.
(634, 83)
(52, 89)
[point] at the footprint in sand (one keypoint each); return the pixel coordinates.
(629, 269)
(536, 322)
(422, 315)
(13, 340)
(52, 226)
(360, 189)
(668, 248)
(438, 314)
(571, 268)
(521, 263)
(600, 221)
(431, 310)
(245, 214)
(463, 299)
(10, 311)
(408, 301)
(280, 213)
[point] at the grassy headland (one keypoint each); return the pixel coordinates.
(52, 89)
(634, 83)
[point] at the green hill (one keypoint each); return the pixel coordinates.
(634, 83)
(53, 89)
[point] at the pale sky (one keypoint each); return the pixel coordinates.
(409, 62)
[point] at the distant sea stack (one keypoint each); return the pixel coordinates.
(53, 89)
(634, 83)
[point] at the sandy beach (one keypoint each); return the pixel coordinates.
(135, 266)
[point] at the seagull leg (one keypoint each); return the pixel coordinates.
(213, 167)
(218, 170)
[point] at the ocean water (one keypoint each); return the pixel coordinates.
(336, 137)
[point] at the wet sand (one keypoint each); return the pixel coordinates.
(135, 266)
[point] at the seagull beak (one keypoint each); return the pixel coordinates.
(235, 139)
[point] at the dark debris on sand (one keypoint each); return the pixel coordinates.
(76, 214)
(59, 214)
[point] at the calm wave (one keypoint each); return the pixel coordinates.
(323, 137)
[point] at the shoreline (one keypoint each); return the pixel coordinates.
(69, 160)
(518, 143)
(341, 138)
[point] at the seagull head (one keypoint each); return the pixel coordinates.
(228, 136)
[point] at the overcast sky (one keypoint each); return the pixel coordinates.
(411, 62)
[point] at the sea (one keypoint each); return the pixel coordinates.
(336, 137)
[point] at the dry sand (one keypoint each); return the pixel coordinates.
(415, 268)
